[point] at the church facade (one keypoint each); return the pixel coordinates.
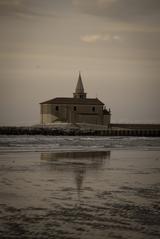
(76, 109)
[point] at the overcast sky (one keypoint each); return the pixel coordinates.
(114, 43)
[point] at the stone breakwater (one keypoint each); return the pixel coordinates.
(147, 131)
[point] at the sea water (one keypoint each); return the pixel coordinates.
(79, 187)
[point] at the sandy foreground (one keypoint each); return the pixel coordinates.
(82, 189)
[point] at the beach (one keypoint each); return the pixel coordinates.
(79, 187)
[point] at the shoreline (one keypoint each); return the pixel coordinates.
(59, 144)
(137, 130)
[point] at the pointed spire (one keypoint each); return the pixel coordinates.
(79, 92)
(79, 87)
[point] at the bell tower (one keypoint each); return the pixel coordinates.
(79, 91)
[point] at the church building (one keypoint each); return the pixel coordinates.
(76, 109)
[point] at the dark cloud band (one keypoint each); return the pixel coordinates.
(119, 9)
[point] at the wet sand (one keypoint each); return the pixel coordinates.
(98, 194)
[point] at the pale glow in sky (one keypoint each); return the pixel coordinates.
(114, 43)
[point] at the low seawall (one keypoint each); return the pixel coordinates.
(117, 131)
(136, 126)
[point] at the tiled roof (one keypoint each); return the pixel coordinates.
(76, 101)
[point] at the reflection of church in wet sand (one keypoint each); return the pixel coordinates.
(78, 162)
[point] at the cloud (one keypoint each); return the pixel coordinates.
(93, 38)
(90, 38)
(120, 9)
(26, 8)
(132, 27)
(8, 7)
(10, 2)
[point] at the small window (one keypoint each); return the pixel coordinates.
(75, 108)
(93, 109)
(57, 108)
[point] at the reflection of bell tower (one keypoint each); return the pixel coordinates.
(79, 92)
(79, 177)
(78, 162)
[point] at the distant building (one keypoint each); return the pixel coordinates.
(78, 109)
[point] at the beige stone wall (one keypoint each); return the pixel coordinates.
(85, 114)
(106, 119)
(48, 118)
(89, 119)
(66, 113)
(46, 114)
